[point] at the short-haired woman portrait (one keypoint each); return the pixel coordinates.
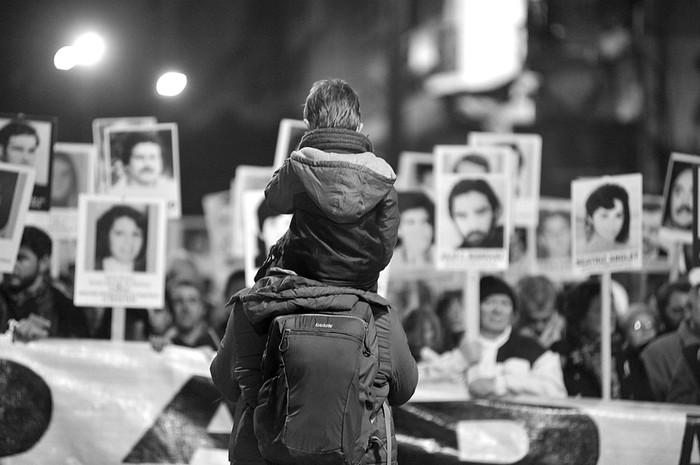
(121, 237)
(607, 221)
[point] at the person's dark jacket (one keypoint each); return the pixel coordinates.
(236, 367)
(48, 302)
(634, 383)
(685, 382)
(346, 215)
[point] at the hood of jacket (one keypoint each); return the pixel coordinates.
(282, 293)
(345, 186)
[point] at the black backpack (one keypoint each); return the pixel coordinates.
(316, 403)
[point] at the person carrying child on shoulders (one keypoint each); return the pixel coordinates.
(342, 235)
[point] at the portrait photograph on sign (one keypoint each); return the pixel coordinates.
(73, 173)
(262, 228)
(145, 162)
(607, 219)
(103, 167)
(677, 223)
(415, 248)
(121, 251)
(473, 221)
(554, 237)
(289, 135)
(28, 140)
(246, 177)
(526, 168)
(415, 171)
(16, 188)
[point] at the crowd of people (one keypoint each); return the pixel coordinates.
(34, 305)
(546, 339)
(536, 336)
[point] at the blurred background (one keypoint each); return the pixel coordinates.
(611, 85)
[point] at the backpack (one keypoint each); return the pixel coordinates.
(316, 403)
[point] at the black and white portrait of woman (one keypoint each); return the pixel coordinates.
(607, 221)
(121, 239)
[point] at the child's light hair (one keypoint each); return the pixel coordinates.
(332, 103)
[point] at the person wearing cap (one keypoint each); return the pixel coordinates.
(509, 364)
(663, 357)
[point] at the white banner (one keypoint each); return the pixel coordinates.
(95, 402)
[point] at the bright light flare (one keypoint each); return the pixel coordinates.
(89, 48)
(64, 58)
(171, 84)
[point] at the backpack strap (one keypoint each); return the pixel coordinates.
(387, 426)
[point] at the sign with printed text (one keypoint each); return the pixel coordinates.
(121, 252)
(607, 218)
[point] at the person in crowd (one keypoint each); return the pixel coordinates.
(678, 213)
(415, 246)
(219, 314)
(580, 347)
(639, 328)
(144, 168)
(607, 223)
(121, 238)
(424, 332)
(472, 162)
(539, 318)
(343, 233)
(673, 304)
(64, 181)
(190, 325)
(475, 209)
(160, 320)
(18, 143)
(554, 235)
(410, 294)
(29, 303)
(509, 364)
(450, 311)
(662, 356)
(345, 208)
